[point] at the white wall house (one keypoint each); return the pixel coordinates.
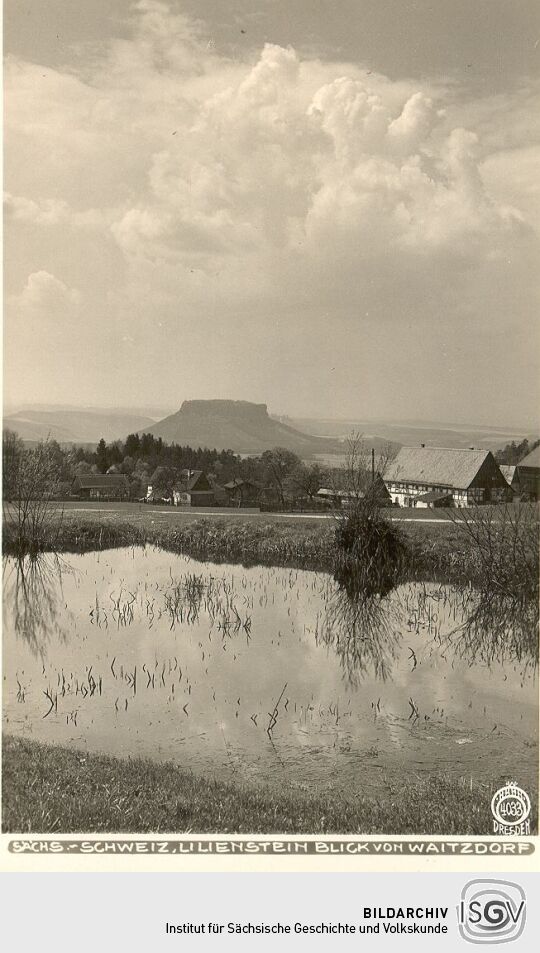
(443, 476)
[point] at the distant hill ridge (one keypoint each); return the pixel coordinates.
(75, 426)
(237, 425)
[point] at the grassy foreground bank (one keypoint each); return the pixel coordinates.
(434, 548)
(49, 789)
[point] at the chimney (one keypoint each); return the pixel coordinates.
(422, 444)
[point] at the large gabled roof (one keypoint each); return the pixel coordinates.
(97, 481)
(441, 466)
(238, 482)
(194, 479)
(532, 459)
(185, 480)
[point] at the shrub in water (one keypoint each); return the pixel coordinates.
(371, 551)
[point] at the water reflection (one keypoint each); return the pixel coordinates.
(365, 630)
(142, 652)
(362, 631)
(33, 601)
(496, 629)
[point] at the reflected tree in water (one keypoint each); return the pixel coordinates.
(480, 626)
(33, 599)
(497, 629)
(362, 631)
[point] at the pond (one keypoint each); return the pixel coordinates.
(264, 674)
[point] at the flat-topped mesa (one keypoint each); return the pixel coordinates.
(234, 409)
(237, 425)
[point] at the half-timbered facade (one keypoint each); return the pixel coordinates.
(420, 476)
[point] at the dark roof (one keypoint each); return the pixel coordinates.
(439, 465)
(95, 481)
(171, 471)
(194, 479)
(185, 480)
(433, 496)
(232, 484)
(532, 459)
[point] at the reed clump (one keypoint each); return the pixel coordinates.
(249, 543)
(372, 555)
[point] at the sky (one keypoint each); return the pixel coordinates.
(328, 206)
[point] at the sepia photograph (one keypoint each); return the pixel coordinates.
(271, 419)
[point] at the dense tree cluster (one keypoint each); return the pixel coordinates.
(513, 452)
(140, 455)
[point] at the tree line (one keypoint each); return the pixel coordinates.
(513, 453)
(140, 455)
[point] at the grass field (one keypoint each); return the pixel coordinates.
(48, 789)
(436, 549)
(173, 514)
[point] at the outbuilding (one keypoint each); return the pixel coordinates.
(243, 492)
(529, 474)
(100, 486)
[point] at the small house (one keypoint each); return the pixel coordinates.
(100, 486)
(180, 487)
(242, 492)
(443, 476)
(194, 489)
(376, 489)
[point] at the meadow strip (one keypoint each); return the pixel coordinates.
(50, 789)
(438, 552)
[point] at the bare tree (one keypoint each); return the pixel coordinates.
(31, 520)
(372, 552)
(164, 482)
(504, 546)
(12, 455)
(307, 479)
(280, 464)
(364, 467)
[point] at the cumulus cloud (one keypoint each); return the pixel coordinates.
(45, 296)
(266, 168)
(282, 184)
(52, 212)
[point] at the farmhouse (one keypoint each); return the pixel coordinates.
(194, 490)
(335, 497)
(529, 474)
(433, 476)
(100, 486)
(242, 492)
(183, 488)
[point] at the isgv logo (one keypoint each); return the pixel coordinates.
(491, 911)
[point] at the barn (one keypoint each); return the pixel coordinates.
(529, 474)
(100, 486)
(243, 492)
(444, 476)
